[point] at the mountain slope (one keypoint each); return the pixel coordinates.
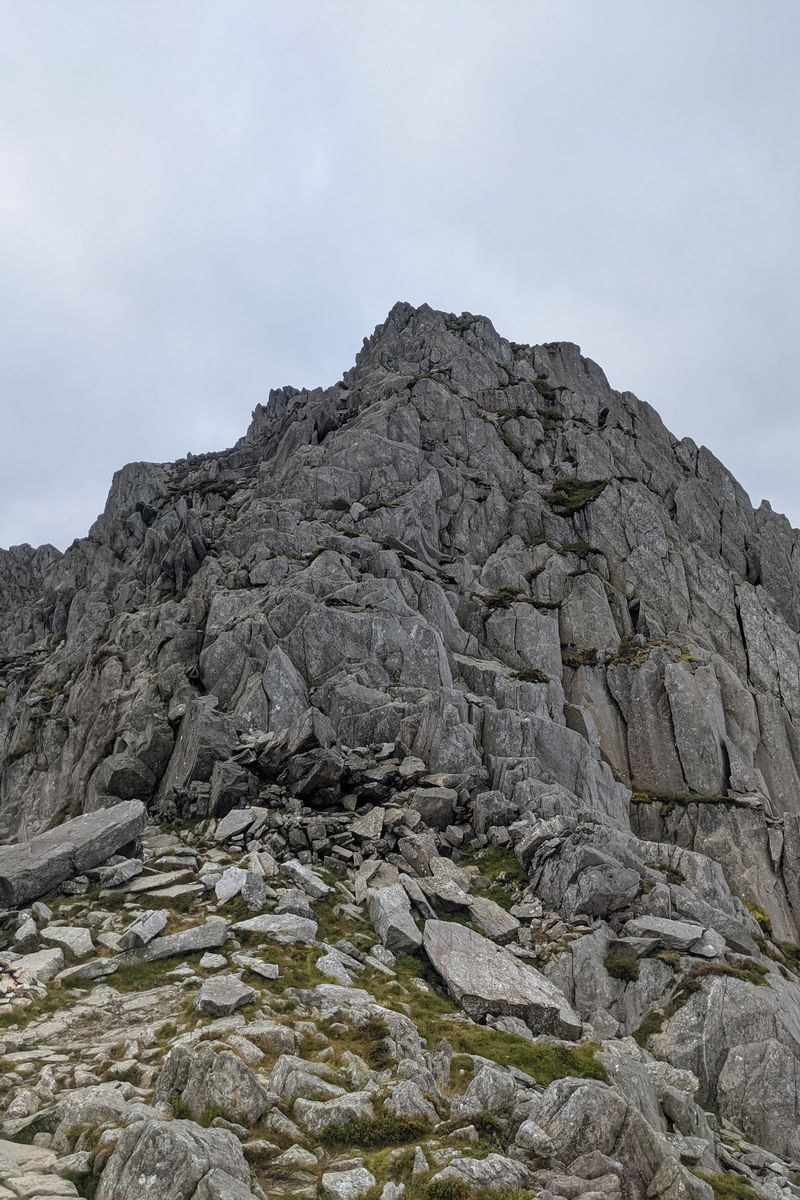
(478, 555)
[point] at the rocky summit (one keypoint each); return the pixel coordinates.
(406, 803)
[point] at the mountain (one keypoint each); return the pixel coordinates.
(468, 632)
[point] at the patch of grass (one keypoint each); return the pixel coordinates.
(729, 1187)
(622, 963)
(530, 675)
(670, 800)
(503, 598)
(367, 1040)
(542, 1061)
(21, 1017)
(671, 957)
(572, 657)
(631, 653)
(497, 862)
(374, 1132)
(761, 916)
(670, 873)
(501, 872)
(569, 496)
(791, 954)
(141, 977)
(580, 549)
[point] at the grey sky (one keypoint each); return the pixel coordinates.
(200, 200)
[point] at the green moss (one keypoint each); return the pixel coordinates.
(671, 800)
(141, 977)
(670, 873)
(569, 496)
(729, 1187)
(497, 862)
(622, 963)
(671, 957)
(653, 1023)
(367, 1040)
(21, 1017)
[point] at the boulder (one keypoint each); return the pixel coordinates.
(206, 1082)
(208, 936)
(284, 928)
(222, 995)
(146, 926)
(495, 1173)
(487, 980)
(169, 1160)
(38, 866)
(347, 1185)
(390, 912)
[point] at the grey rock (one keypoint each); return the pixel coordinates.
(168, 1160)
(39, 865)
(315, 1116)
(486, 980)
(146, 926)
(346, 1185)
(203, 1080)
(495, 1173)
(209, 936)
(74, 940)
(222, 995)
(390, 912)
(284, 928)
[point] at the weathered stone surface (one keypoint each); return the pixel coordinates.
(205, 1081)
(390, 912)
(486, 979)
(347, 1185)
(168, 1160)
(471, 593)
(495, 1173)
(222, 995)
(35, 867)
(284, 928)
(146, 926)
(208, 936)
(75, 941)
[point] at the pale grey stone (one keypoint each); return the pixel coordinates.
(222, 995)
(486, 979)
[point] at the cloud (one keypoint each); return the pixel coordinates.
(202, 201)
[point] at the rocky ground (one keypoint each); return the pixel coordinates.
(369, 1002)
(407, 800)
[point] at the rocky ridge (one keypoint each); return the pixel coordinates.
(461, 700)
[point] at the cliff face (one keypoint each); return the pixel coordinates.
(482, 555)
(477, 548)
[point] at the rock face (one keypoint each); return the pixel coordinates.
(463, 675)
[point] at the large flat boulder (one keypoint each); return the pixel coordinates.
(487, 980)
(33, 868)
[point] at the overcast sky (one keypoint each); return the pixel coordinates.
(200, 200)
